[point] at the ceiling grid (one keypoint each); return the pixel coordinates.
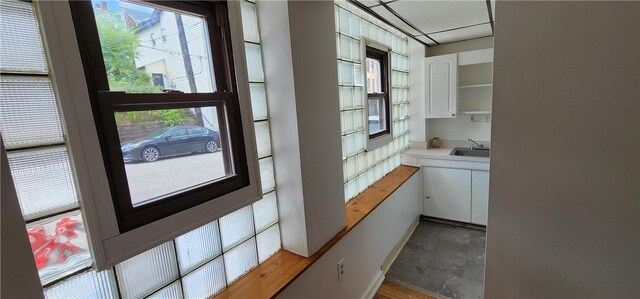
(435, 22)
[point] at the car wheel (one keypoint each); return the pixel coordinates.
(150, 154)
(211, 146)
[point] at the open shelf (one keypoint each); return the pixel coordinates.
(475, 86)
(474, 112)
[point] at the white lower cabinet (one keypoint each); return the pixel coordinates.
(479, 196)
(456, 194)
(447, 193)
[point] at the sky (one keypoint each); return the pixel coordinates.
(113, 5)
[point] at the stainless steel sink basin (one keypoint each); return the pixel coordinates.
(467, 152)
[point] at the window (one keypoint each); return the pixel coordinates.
(43, 172)
(144, 131)
(377, 92)
(367, 160)
(169, 154)
(163, 33)
(158, 79)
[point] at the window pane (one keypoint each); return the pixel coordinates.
(43, 181)
(59, 246)
(250, 22)
(20, 42)
(258, 101)
(147, 49)
(173, 291)
(236, 227)
(240, 260)
(266, 174)
(254, 62)
(268, 242)
(198, 246)
(205, 281)
(377, 116)
(263, 139)
(157, 144)
(92, 284)
(265, 211)
(147, 272)
(374, 75)
(29, 113)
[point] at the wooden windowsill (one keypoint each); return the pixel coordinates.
(275, 274)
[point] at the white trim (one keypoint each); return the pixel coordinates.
(109, 246)
(375, 285)
(75, 111)
(393, 255)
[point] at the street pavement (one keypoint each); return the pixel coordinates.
(148, 180)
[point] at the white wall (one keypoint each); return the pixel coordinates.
(305, 122)
(363, 249)
(459, 128)
(417, 122)
(564, 209)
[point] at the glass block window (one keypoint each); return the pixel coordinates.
(38, 158)
(362, 168)
(198, 264)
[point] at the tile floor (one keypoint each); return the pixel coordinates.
(443, 259)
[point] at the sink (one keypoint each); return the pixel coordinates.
(467, 152)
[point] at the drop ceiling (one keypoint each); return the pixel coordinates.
(435, 22)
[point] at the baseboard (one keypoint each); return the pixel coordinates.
(454, 223)
(374, 286)
(396, 250)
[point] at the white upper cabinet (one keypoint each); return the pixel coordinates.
(441, 88)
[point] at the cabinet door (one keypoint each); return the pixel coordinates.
(447, 193)
(479, 196)
(441, 88)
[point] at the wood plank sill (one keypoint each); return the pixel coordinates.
(275, 274)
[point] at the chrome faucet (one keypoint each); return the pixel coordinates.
(478, 144)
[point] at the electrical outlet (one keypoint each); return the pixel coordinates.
(340, 269)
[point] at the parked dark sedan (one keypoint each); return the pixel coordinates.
(171, 141)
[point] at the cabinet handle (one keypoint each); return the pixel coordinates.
(453, 114)
(427, 197)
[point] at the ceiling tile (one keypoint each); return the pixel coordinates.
(369, 3)
(430, 16)
(462, 34)
(395, 20)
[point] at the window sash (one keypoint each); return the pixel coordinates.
(106, 102)
(131, 217)
(383, 104)
(218, 31)
(383, 58)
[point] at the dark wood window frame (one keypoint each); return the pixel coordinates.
(383, 57)
(105, 103)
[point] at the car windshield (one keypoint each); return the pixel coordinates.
(158, 133)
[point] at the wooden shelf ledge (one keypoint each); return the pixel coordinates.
(275, 274)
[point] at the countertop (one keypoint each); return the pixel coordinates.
(441, 154)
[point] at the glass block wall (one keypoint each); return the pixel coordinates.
(362, 168)
(197, 264)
